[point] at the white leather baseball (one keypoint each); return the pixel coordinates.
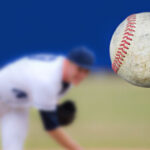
(130, 49)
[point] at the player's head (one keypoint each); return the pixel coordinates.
(78, 64)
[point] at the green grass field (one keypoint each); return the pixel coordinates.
(111, 114)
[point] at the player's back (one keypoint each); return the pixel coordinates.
(27, 75)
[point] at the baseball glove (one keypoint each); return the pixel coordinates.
(66, 112)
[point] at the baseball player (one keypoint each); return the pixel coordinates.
(39, 81)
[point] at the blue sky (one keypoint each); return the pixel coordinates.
(59, 25)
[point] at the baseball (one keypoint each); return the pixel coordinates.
(130, 49)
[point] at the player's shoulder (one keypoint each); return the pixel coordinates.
(45, 66)
(36, 62)
(36, 59)
(43, 57)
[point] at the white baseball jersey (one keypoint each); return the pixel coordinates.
(32, 81)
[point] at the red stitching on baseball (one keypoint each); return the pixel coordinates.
(126, 41)
(122, 50)
(128, 33)
(127, 38)
(128, 29)
(130, 26)
(119, 53)
(123, 45)
(131, 22)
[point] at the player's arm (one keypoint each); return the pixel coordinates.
(52, 126)
(63, 139)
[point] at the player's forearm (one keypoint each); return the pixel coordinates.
(63, 139)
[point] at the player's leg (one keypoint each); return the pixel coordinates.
(14, 129)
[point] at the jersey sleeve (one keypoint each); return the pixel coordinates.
(49, 119)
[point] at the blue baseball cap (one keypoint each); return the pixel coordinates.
(82, 57)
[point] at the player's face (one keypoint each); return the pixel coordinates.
(78, 74)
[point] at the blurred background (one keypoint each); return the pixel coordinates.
(111, 112)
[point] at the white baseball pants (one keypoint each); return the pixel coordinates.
(14, 125)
